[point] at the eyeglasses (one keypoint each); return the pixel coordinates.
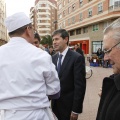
(109, 50)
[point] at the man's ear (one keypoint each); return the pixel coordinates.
(66, 39)
(28, 31)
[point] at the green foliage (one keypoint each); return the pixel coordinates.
(46, 40)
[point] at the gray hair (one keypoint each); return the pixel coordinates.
(115, 28)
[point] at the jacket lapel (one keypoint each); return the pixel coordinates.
(55, 60)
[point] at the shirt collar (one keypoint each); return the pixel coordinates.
(18, 39)
(64, 52)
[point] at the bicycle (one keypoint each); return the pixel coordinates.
(89, 72)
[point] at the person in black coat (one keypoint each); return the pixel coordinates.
(99, 52)
(78, 49)
(109, 106)
(72, 78)
(51, 50)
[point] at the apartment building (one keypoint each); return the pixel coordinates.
(85, 21)
(44, 16)
(3, 31)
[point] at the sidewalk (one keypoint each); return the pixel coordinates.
(91, 100)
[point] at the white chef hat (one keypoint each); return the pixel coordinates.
(16, 21)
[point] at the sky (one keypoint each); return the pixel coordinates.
(13, 6)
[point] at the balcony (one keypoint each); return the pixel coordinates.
(42, 29)
(44, 34)
(43, 18)
(44, 24)
(114, 8)
(43, 13)
(44, 8)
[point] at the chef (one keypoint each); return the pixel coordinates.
(27, 74)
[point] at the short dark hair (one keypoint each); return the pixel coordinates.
(63, 33)
(37, 36)
(19, 31)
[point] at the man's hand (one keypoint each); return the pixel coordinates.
(73, 116)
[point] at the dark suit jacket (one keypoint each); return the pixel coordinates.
(73, 85)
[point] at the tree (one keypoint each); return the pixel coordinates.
(46, 40)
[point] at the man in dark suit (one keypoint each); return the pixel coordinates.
(72, 78)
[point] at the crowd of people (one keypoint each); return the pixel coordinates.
(31, 76)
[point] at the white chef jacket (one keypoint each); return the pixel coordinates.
(27, 76)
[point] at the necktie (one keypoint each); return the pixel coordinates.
(59, 63)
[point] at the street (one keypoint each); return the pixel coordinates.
(91, 100)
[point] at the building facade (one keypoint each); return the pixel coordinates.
(3, 31)
(44, 16)
(85, 21)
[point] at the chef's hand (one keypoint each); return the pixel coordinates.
(73, 116)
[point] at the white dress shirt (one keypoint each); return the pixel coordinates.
(63, 55)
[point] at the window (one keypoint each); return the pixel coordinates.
(69, 0)
(69, 9)
(60, 6)
(60, 26)
(72, 32)
(64, 13)
(81, 17)
(69, 21)
(73, 7)
(81, 2)
(59, 16)
(78, 31)
(100, 7)
(117, 3)
(64, 24)
(47, 10)
(95, 27)
(107, 23)
(47, 5)
(73, 20)
(47, 16)
(43, 5)
(90, 12)
(85, 30)
(64, 2)
(96, 45)
(39, 10)
(113, 4)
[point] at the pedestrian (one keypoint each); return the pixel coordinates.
(37, 39)
(28, 75)
(99, 52)
(78, 49)
(51, 50)
(72, 78)
(109, 106)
